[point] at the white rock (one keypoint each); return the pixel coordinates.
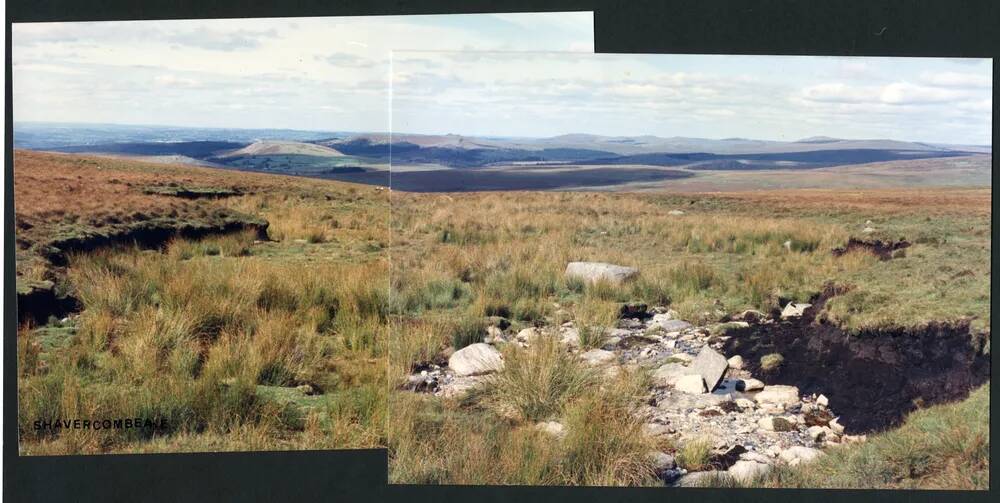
(744, 403)
(597, 357)
(690, 383)
(569, 336)
(662, 461)
(478, 358)
(667, 374)
(750, 385)
(836, 426)
(823, 400)
(778, 394)
(528, 335)
(735, 362)
(799, 454)
(868, 230)
(816, 433)
(675, 213)
(793, 310)
(595, 271)
(744, 471)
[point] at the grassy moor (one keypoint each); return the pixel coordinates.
(239, 311)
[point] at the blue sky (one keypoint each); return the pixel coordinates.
(298, 73)
(708, 96)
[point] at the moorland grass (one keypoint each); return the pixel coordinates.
(504, 255)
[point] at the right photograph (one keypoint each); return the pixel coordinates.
(690, 270)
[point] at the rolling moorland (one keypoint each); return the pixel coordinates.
(455, 163)
(869, 308)
(244, 312)
(255, 311)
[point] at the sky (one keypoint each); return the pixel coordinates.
(329, 74)
(705, 96)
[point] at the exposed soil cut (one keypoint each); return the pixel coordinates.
(881, 249)
(38, 302)
(872, 380)
(150, 234)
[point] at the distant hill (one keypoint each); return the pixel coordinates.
(274, 147)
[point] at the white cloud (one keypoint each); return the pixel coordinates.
(839, 93)
(904, 93)
(955, 79)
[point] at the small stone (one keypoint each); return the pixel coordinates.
(793, 310)
(749, 385)
(662, 461)
(745, 471)
(816, 433)
(478, 358)
(735, 362)
(745, 403)
(772, 423)
(691, 383)
(835, 425)
(798, 454)
(305, 389)
(778, 394)
(675, 213)
(596, 357)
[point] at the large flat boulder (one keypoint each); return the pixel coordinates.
(710, 365)
(475, 359)
(668, 374)
(778, 394)
(596, 271)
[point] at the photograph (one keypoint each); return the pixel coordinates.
(201, 226)
(689, 270)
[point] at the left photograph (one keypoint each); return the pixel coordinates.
(202, 225)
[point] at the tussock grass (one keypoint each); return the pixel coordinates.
(460, 257)
(537, 382)
(695, 454)
(191, 336)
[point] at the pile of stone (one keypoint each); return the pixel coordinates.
(697, 392)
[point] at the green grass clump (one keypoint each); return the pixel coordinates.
(537, 382)
(695, 454)
(771, 361)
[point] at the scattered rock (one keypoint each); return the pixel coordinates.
(710, 365)
(793, 310)
(569, 336)
(778, 394)
(816, 433)
(799, 454)
(671, 325)
(707, 478)
(597, 357)
(836, 426)
(735, 362)
(478, 358)
(690, 383)
(744, 471)
(750, 384)
(595, 271)
(662, 461)
(667, 374)
(774, 423)
(823, 400)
